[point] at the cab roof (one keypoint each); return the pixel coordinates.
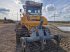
(32, 3)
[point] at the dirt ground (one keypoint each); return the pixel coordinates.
(8, 38)
(65, 41)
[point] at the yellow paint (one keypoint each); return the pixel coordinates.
(32, 21)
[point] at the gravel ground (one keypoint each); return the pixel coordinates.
(8, 38)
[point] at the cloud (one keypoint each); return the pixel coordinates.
(66, 12)
(50, 7)
(12, 6)
(4, 10)
(62, 14)
(48, 11)
(66, 9)
(17, 1)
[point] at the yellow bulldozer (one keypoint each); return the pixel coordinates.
(32, 31)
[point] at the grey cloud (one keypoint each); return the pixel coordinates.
(66, 9)
(50, 7)
(4, 10)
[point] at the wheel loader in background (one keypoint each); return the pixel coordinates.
(32, 31)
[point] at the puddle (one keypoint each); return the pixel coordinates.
(64, 28)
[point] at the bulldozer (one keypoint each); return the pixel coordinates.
(32, 31)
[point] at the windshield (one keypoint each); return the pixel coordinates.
(33, 10)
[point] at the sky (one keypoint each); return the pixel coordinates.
(53, 10)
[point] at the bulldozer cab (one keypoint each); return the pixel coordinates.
(33, 10)
(32, 15)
